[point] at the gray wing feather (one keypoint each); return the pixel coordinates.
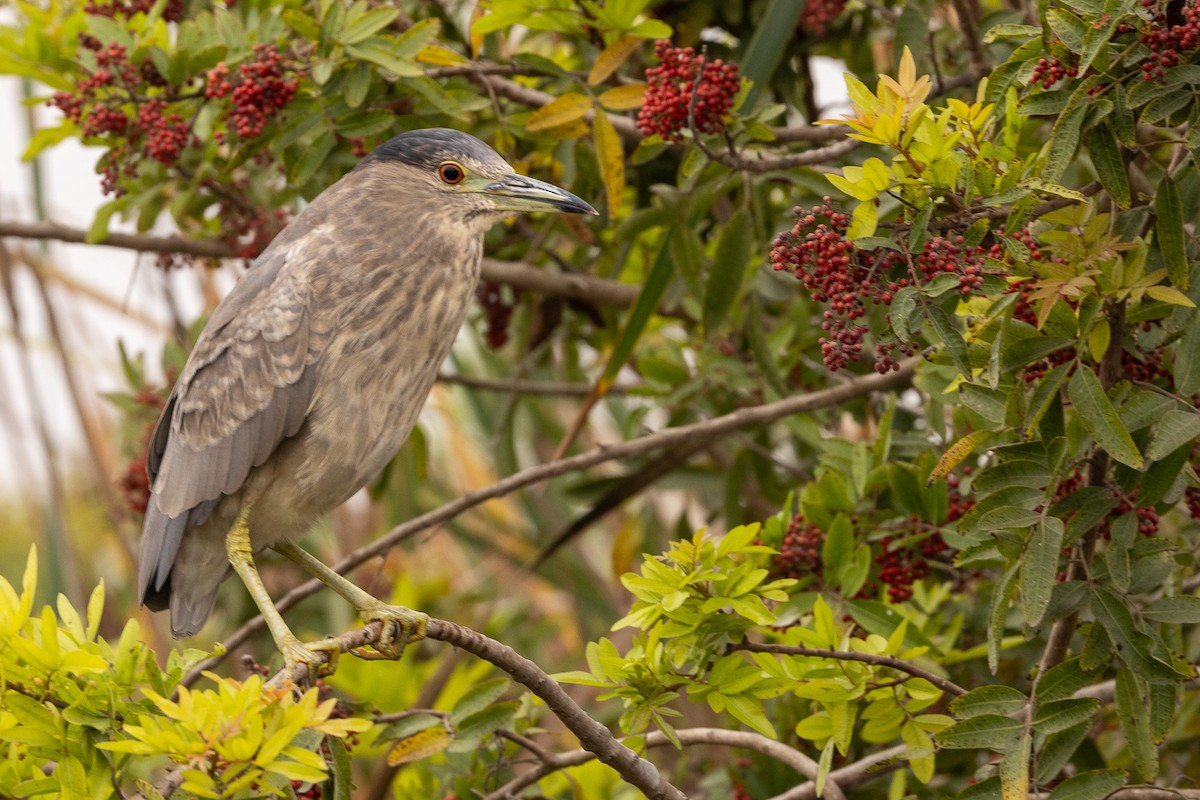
(246, 387)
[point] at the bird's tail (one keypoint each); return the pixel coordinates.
(180, 573)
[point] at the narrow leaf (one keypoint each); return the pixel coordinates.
(612, 58)
(1100, 419)
(1168, 228)
(567, 108)
(611, 156)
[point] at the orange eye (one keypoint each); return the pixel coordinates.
(451, 173)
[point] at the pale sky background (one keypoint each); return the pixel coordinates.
(92, 329)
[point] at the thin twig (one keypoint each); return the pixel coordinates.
(892, 662)
(969, 25)
(742, 418)
(746, 740)
(573, 286)
(553, 388)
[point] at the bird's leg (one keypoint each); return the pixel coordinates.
(400, 625)
(241, 556)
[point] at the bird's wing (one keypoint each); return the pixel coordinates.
(246, 387)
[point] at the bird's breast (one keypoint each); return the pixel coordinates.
(381, 365)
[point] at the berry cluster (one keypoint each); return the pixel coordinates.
(800, 551)
(259, 91)
(1049, 71)
(942, 256)
(900, 568)
(246, 227)
(685, 87)
(101, 108)
(1192, 498)
(819, 15)
(1167, 36)
(496, 311)
(817, 251)
(172, 12)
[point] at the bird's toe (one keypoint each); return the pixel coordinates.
(400, 627)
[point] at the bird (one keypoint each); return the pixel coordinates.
(310, 375)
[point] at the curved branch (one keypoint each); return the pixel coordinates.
(712, 428)
(761, 163)
(597, 739)
(946, 685)
(747, 740)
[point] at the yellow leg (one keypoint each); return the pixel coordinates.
(400, 625)
(241, 556)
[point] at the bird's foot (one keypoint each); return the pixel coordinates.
(400, 626)
(313, 659)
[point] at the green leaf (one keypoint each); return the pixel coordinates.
(1110, 167)
(484, 722)
(368, 24)
(1010, 31)
(478, 698)
(904, 304)
(1133, 711)
(1176, 429)
(994, 731)
(1014, 769)
(1100, 419)
(728, 268)
(1001, 597)
(1187, 360)
(1069, 28)
(1134, 646)
(1061, 681)
(948, 332)
(1179, 610)
(1094, 784)
(1039, 568)
(996, 700)
(643, 309)
(1168, 230)
(1064, 142)
(1063, 714)
(381, 55)
(343, 779)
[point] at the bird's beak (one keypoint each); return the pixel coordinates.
(519, 193)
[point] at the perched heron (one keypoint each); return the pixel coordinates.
(311, 373)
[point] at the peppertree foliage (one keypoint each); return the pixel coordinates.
(966, 569)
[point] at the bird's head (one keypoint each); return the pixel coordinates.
(457, 174)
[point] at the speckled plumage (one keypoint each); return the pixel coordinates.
(311, 373)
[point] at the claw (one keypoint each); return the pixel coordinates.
(318, 659)
(400, 626)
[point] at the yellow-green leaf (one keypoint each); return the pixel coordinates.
(1169, 294)
(623, 98)
(611, 156)
(419, 745)
(567, 108)
(612, 58)
(956, 453)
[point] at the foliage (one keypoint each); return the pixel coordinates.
(984, 569)
(70, 699)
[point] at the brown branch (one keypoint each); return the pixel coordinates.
(946, 685)
(717, 426)
(761, 163)
(574, 286)
(594, 737)
(811, 133)
(969, 25)
(747, 740)
(551, 388)
(202, 248)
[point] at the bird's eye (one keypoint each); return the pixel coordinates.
(451, 173)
